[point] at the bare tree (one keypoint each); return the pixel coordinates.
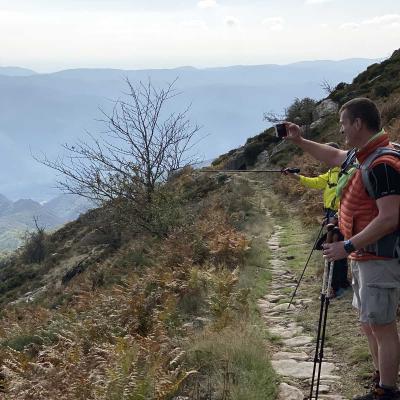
(34, 249)
(142, 146)
(327, 87)
(273, 118)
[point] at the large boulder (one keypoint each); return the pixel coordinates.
(325, 108)
(237, 160)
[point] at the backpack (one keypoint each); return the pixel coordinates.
(365, 166)
(389, 245)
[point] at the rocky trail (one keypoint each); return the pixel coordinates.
(292, 350)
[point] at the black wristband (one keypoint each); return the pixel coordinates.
(348, 246)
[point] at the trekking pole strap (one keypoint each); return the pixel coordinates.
(290, 170)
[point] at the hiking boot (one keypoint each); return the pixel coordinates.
(379, 393)
(373, 381)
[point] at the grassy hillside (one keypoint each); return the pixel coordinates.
(111, 312)
(103, 309)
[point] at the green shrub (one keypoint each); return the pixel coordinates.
(301, 111)
(167, 211)
(382, 90)
(34, 250)
(252, 150)
(19, 342)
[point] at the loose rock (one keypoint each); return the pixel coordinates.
(287, 392)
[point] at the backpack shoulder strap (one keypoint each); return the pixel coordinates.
(365, 166)
(348, 162)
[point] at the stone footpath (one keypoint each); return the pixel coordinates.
(294, 360)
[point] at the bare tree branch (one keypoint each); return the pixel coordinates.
(327, 87)
(142, 146)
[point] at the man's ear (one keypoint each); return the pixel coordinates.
(358, 123)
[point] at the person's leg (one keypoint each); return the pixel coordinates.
(336, 277)
(356, 284)
(345, 273)
(379, 282)
(372, 343)
(339, 278)
(388, 346)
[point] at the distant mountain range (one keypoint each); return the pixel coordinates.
(39, 112)
(16, 71)
(16, 217)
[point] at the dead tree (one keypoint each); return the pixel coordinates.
(327, 87)
(142, 145)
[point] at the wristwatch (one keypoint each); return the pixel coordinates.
(348, 246)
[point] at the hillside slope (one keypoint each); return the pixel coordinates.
(110, 311)
(102, 309)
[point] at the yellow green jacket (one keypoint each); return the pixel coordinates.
(326, 181)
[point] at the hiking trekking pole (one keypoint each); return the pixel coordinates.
(326, 294)
(306, 264)
(290, 170)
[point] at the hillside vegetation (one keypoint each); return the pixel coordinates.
(100, 310)
(103, 309)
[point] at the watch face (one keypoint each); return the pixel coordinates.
(348, 246)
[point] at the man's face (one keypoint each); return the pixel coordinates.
(350, 129)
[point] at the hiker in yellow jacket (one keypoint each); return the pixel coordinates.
(327, 182)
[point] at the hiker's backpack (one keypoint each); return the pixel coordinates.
(389, 245)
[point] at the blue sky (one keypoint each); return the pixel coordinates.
(51, 35)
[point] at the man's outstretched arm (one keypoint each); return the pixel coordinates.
(322, 152)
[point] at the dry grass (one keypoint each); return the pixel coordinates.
(117, 331)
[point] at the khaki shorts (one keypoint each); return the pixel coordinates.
(376, 285)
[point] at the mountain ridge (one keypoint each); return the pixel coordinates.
(17, 217)
(39, 113)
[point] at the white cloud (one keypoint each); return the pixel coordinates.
(274, 23)
(207, 3)
(350, 26)
(194, 24)
(317, 1)
(231, 21)
(383, 19)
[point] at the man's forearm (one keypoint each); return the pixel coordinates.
(322, 152)
(375, 230)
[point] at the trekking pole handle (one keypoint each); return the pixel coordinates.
(334, 238)
(329, 292)
(327, 276)
(290, 170)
